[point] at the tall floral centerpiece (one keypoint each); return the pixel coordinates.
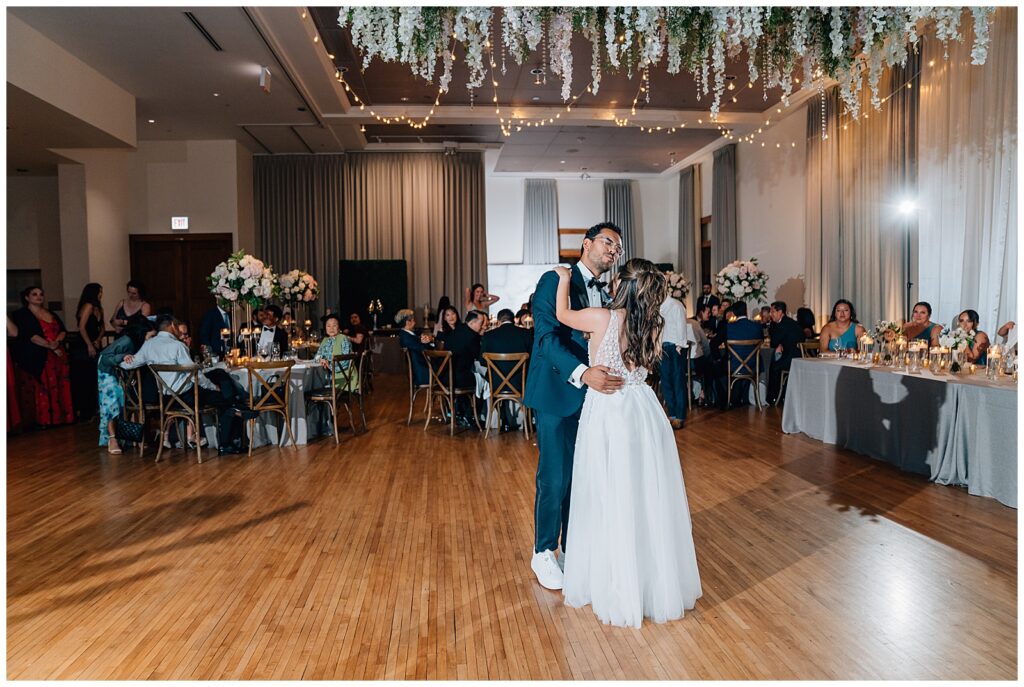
(298, 288)
(957, 341)
(242, 281)
(678, 284)
(743, 280)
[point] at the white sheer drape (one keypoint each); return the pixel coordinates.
(540, 222)
(968, 177)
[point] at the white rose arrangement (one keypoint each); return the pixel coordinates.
(243, 278)
(742, 280)
(678, 284)
(297, 286)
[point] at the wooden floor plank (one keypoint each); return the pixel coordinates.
(403, 554)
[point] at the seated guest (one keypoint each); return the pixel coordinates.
(675, 343)
(214, 320)
(1008, 334)
(738, 328)
(111, 395)
(786, 334)
(706, 298)
(448, 319)
(165, 348)
(977, 352)
(485, 321)
(442, 305)
(842, 329)
(334, 344)
(723, 309)
(477, 298)
(519, 317)
(507, 338)
(464, 345)
(42, 363)
(357, 332)
(920, 326)
(415, 344)
(805, 318)
(271, 333)
(185, 335)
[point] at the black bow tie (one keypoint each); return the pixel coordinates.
(596, 283)
(268, 329)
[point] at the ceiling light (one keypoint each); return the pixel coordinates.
(538, 75)
(404, 99)
(561, 162)
(731, 86)
(362, 129)
(535, 98)
(216, 95)
(152, 121)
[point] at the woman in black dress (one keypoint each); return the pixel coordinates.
(84, 350)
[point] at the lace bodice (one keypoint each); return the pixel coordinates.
(608, 354)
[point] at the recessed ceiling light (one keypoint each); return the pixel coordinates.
(561, 162)
(404, 99)
(152, 121)
(216, 95)
(614, 102)
(535, 98)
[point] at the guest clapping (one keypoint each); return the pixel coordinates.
(921, 326)
(477, 298)
(842, 329)
(134, 303)
(977, 351)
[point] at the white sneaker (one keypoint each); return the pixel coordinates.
(545, 567)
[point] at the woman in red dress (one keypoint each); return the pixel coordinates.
(42, 360)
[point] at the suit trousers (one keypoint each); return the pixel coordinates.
(673, 380)
(556, 437)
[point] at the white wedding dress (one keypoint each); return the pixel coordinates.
(630, 548)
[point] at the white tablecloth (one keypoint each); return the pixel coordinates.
(269, 428)
(955, 430)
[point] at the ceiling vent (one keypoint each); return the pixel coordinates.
(203, 32)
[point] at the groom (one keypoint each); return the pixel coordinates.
(555, 389)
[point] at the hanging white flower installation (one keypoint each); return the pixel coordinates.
(842, 43)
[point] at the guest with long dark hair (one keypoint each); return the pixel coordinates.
(448, 319)
(41, 359)
(842, 329)
(84, 350)
(477, 298)
(921, 326)
(134, 303)
(443, 304)
(110, 393)
(977, 352)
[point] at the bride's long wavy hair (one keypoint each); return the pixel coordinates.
(641, 290)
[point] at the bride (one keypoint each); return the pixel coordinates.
(631, 554)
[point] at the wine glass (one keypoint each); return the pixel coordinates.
(264, 350)
(275, 351)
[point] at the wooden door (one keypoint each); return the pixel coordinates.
(174, 269)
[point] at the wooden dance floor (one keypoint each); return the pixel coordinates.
(402, 554)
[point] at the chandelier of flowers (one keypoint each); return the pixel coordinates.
(841, 43)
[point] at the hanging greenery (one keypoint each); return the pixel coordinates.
(842, 43)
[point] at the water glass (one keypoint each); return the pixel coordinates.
(275, 351)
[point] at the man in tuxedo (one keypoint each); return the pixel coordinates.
(555, 389)
(464, 344)
(786, 334)
(738, 329)
(415, 343)
(507, 338)
(271, 333)
(214, 320)
(707, 299)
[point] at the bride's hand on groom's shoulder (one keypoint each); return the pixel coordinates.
(562, 272)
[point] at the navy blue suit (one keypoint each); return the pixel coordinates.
(557, 352)
(739, 330)
(209, 330)
(411, 341)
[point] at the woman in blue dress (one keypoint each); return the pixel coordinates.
(842, 330)
(977, 352)
(921, 326)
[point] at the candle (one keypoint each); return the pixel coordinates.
(307, 324)
(973, 368)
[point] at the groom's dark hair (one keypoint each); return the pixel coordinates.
(593, 231)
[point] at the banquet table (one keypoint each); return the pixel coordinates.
(959, 430)
(269, 428)
(387, 353)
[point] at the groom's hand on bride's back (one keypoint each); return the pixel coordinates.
(600, 378)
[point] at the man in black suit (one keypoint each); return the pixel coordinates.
(271, 333)
(415, 343)
(706, 298)
(738, 329)
(507, 338)
(464, 344)
(214, 320)
(786, 334)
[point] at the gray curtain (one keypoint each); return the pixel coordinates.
(689, 232)
(724, 244)
(540, 222)
(858, 243)
(424, 208)
(618, 208)
(297, 202)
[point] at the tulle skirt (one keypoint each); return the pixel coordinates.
(630, 552)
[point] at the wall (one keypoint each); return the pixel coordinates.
(33, 230)
(770, 199)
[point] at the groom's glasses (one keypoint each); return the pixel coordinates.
(613, 247)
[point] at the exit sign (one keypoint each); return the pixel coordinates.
(179, 224)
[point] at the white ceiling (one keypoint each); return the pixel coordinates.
(158, 55)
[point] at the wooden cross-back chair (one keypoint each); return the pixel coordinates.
(442, 387)
(135, 408)
(414, 388)
(506, 388)
(270, 393)
(748, 366)
(340, 392)
(180, 404)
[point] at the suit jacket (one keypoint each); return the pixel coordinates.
(209, 330)
(464, 345)
(710, 301)
(507, 338)
(557, 349)
(742, 328)
(411, 342)
(787, 333)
